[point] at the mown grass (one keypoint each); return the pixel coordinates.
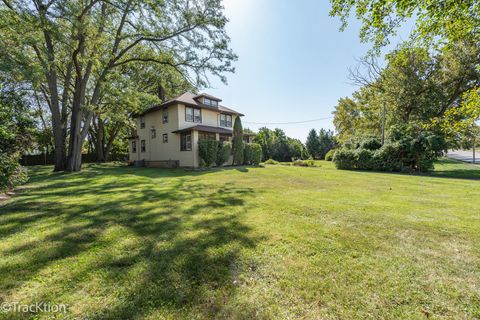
(279, 242)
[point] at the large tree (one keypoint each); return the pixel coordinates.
(313, 144)
(415, 86)
(276, 145)
(439, 24)
(68, 49)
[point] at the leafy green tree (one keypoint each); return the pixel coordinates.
(439, 25)
(265, 138)
(326, 142)
(296, 149)
(276, 145)
(237, 142)
(16, 132)
(347, 118)
(415, 86)
(313, 144)
(68, 50)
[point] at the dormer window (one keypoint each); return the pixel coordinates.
(210, 102)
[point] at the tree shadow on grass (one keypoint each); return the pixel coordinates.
(167, 247)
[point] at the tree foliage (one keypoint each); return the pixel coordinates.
(409, 148)
(276, 145)
(415, 86)
(71, 50)
(16, 132)
(214, 152)
(208, 150)
(436, 21)
(237, 142)
(253, 153)
(319, 144)
(313, 144)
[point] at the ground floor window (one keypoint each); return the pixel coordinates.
(134, 146)
(206, 136)
(186, 141)
(165, 137)
(224, 137)
(142, 146)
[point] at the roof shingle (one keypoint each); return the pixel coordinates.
(188, 99)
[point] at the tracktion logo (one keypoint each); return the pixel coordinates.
(38, 307)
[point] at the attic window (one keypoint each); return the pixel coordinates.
(210, 102)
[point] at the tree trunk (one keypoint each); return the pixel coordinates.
(74, 162)
(100, 141)
(112, 136)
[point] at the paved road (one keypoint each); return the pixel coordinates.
(463, 155)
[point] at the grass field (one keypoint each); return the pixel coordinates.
(278, 242)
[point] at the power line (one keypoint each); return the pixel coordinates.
(291, 122)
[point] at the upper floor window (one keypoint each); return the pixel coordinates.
(210, 102)
(193, 114)
(134, 146)
(142, 146)
(165, 116)
(154, 133)
(165, 138)
(142, 122)
(225, 120)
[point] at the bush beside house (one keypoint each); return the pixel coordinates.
(223, 153)
(213, 152)
(237, 142)
(253, 153)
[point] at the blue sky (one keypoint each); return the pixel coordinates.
(293, 62)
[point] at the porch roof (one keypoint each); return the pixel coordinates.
(205, 129)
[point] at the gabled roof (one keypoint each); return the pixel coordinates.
(189, 99)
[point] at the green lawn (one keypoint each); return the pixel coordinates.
(280, 242)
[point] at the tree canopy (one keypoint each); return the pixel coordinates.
(70, 51)
(416, 86)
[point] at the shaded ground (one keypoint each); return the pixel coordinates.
(277, 242)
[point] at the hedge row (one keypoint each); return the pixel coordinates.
(214, 152)
(406, 149)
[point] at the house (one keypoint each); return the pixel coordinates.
(168, 133)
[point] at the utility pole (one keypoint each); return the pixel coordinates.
(384, 115)
(474, 150)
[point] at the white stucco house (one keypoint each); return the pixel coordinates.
(168, 133)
